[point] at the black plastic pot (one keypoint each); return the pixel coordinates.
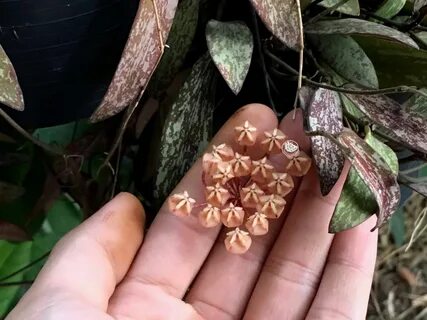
(65, 53)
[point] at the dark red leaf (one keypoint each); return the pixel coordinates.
(325, 114)
(406, 127)
(375, 172)
(11, 232)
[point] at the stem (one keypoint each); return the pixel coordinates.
(32, 263)
(27, 135)
(326, 12)
(397, 89)
(301, 56)
(116, 175)
(262, 60)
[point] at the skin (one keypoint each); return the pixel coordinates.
(105, 270)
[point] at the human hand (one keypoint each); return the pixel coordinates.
(100, 270)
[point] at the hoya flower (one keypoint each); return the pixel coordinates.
(241, 192)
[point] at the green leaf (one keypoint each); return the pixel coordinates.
(230, 45)
(390, 8)
(396, 64)
(347, 58)
(397, 227)
(353, 26)
(357, 201)
(187, 128)
(418, 104)
(387, 153)
(281, 18)
(10, 91)
(179, 41)
(351, 7)
(14, 256)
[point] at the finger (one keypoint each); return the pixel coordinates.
(175, 248)
(90, 260)
(224, 295)
(347, 279)
(292, 271)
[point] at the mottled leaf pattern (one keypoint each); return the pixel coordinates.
(281, 18)
(140, 57)
(390, 8)
(396, 64)
(387, 153)
(408, 128)
(418, 104)
(230, 45)
(187, 128)
(10, 91)
(351, 7)
(353, 26)
(325, 114)
(10, 192)
(306, 94)
(347, 58)
(375, 172)
(180, 38)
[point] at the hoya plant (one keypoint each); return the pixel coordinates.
(357, 69)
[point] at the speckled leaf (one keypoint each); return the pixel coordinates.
(179, 41)
(353, 26)
(390, 8)
(281, 18)
(325, 114)
(376, 174)
(396, 64)
(418, 104)
(230, 45)
(387, 153)
(306, 94)
(10, 91)
(10, 192)
(347, 58)
(351, 7)
(140, 57)
(187, 128)
(418, 186)
(406, 127)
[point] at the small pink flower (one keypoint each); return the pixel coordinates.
(281, 184)
(181, 204)
(272, 206)
(273, 141)
(257, 224)
(224, 173)
(299, 165)
(237, 241)
(232, 216)
(217, 195)
(223, 152)
(261, 170)
(210, 216)
(250, 196)
(242, 165)
(246, 135)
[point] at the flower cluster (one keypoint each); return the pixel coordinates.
(244, 193)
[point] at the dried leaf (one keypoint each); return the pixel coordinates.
(396, 64)
(390, 8)
(347, 58)
(325, 114)
(230, 45)
(351, 7)
(12, 232)
(140, 57)
(10, 192)
(187, 128)
(408, 128)
(353, 26)
(180, 38)
(10, 91)
(375, 172)
(281, 18)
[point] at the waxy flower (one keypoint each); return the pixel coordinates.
(241, 192)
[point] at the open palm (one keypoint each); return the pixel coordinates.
(103, 270)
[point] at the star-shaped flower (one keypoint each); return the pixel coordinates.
(210, 216)
(257, 224)
(217, 195)
(181, 204)
(281, 184)
(272, 206)
(224, 173)
(250, 196)
(232, 216)
(237, 241)
(223, 152)
(299, 165)
(242, 165)
(246, 135)
(261, 170)
(273, 141)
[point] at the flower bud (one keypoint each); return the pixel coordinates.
(257, 224)
(232, 216)
(237, 241)
(210, 163)
(181, 204)
(210, 216)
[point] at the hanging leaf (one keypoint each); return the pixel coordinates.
(180, 38)
(10, 91)
(390, 8)
(140, 57)
(281, 18)
(347, 58)
(12, 232)
(353, 26)
(187, 128)
(396, 64)
(351, 7)
(375, 172)
(230, 45)
(386, 153)
(418, 104)
(406, 127)
(414, 184)
(306, 94)
(325, 114)
(10, 192)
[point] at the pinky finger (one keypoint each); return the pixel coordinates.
(347, 278)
